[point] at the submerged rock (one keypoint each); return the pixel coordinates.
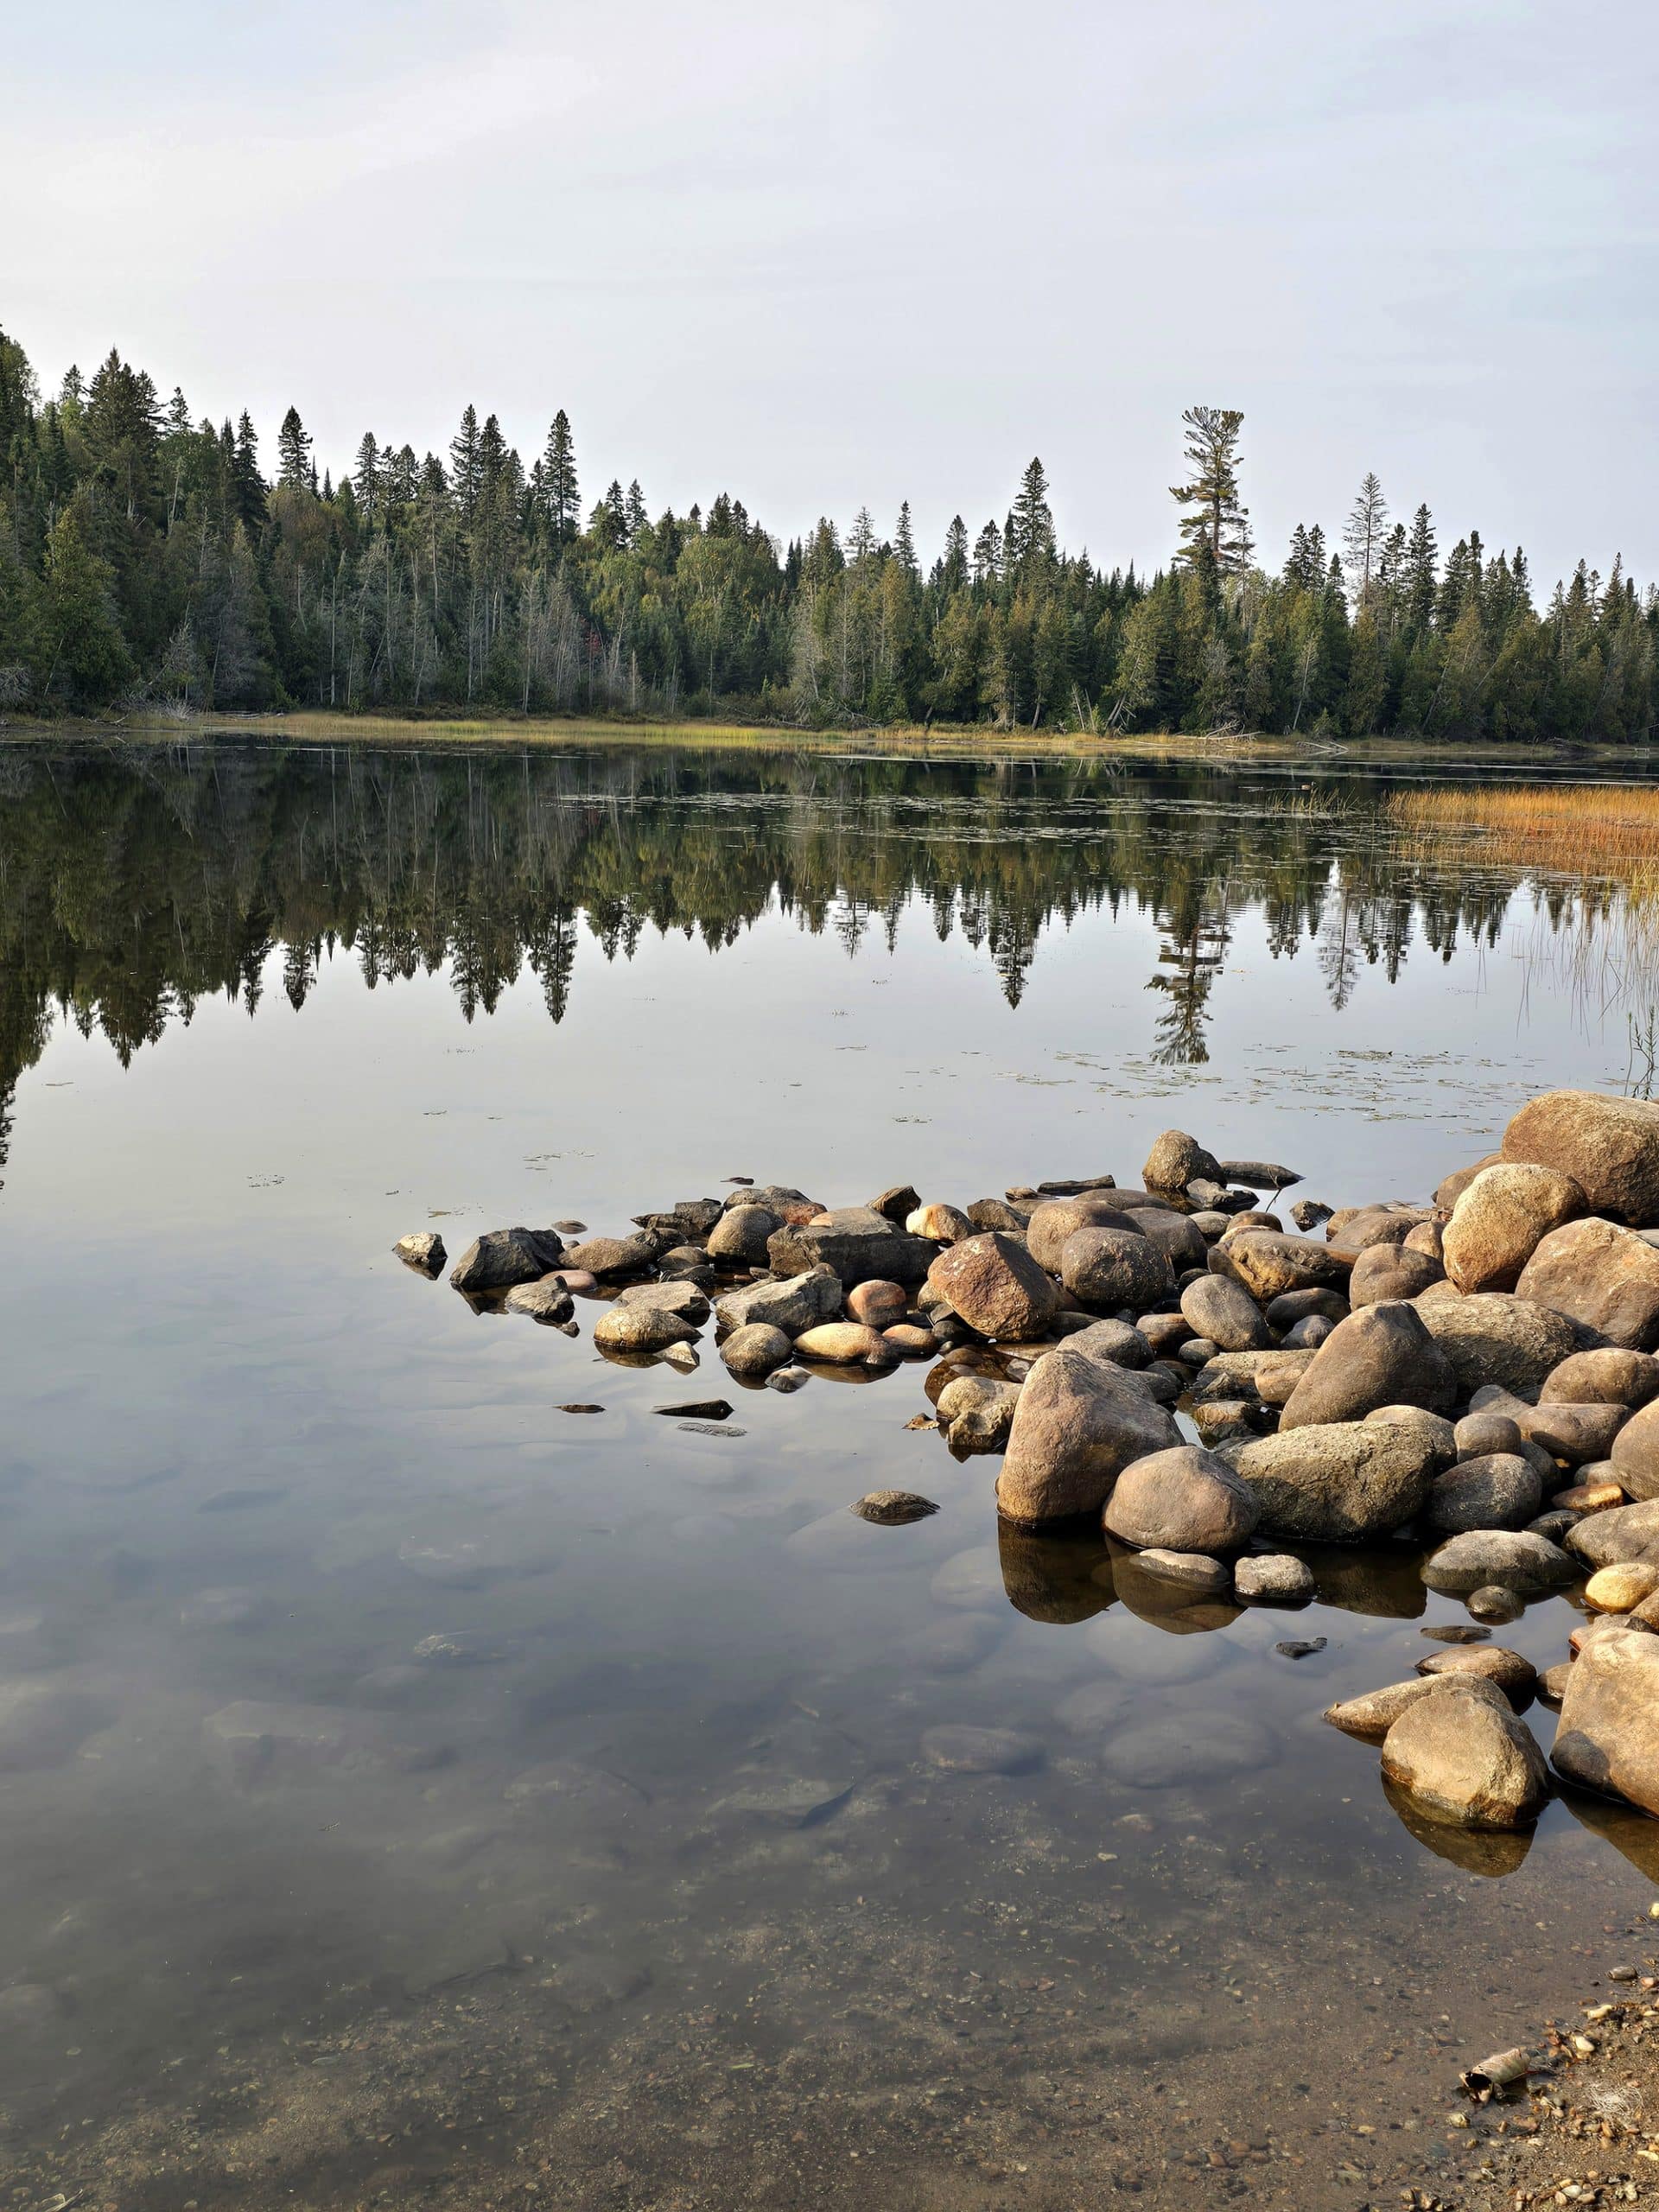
(962, 1750)
(1273, 1579)
(892, 1509)
(1383, 1272)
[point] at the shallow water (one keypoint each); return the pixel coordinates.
(415, 1791)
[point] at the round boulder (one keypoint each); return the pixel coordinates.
(1498, 1492)
(1390, 1271)
(1612, 1376)
(755, 1349)
(1609, 1147)
(1112, 1267)
(1177, 1159)
(1380, 1355)
(1500, 1218)
(1466, 1761)
(1183, 1500)
(996, 1285)
(1221, 1309)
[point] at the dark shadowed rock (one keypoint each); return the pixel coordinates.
(1112, 1267)
(892, 1509)
(896, 1203)
(1498, 1492)
(546, 1300)
(1179, 1238)
(1294, 1306)
(1380, 1355)
(1117, 1342)
(423, 1251)
(857, 1244)
(1609, 1147)
(1340, 1484)
(1467, 1761)
(996, 1286)
(1602, 1276)
(1078, 1423)
(502, 1257)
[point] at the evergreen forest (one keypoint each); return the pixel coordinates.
(151, 560)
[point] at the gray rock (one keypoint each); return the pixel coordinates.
(1615, 1537)
(607, 1256)
(1344, 1484)
(1222, 1310)
(1178, 1239)
(423, 1251)
(1110, 1267)
(1496, 1338)
(855, 1244)
(1634, 1453)
(1078, 1423)
(1467, 1761)
(1308, 1213)
(1294, 1306)
(1116, 1343)
(755, 1350)
(1383, 1272)
(960, 1749)
(502, 1257)
(1493, 1603)
(687, 1300)
(1498, 1492)
(997, 1213)
(799, 1303)
(1306, 1335)
(1486, 1431)
(892, 1509)
(1432, 1431)
(640, 1329)
(1260, 1175)
(1513, 1559)
(1273, 1579)
(1370, 1716)
(1380, 1355)
(1181, 1500)
(1192, 1571)
(546, 1300)
(1512, 1672)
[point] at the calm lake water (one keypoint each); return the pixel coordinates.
(414, 1793)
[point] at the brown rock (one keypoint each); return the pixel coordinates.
(1380, 1355)
(940, 1224)
(1464, 1760)
(1601, 1275)
(1635, 1454)
(1493, 1336)
(1589, 1497)
(740, 1237)
(840, 1343)
(1611, 1377)
(1051, 1225)
(1500, 1220)
(996, 1286)
(1608, 1736)
(1509, 1671)
(895, 1203)
(1371, 1716)
(1221, 1309)
(640, 1329)
(1180, 1500)
(1383, 1272)
(1353, 1229)
(1105, 1269)
(910, 1341)
(614, 1255)
(1343, 1483)
(755, 1349)
(1078, 1424)
(878, 1304)
(1448, 1192)
(1625, 1532)
(1499, 1491)
(1609, 1146)
(1177, 1159)
(1268, 1265)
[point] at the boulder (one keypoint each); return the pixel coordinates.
(1273, 1579)
(1112, 1267)
(616, 1256)
(1609, 1377)
(1370, 1716)
(1380, 1355)
(640, 1329)
(1268, 1264)
(1179, 1238)
(938, 1223)
(1342, 1484)
(1190, 1571)
(789, 1204)
(892, 1509)
(1604, 1277)
(1259, 1175)
(423, 1251)
(1432, 1431)
(687, 1300)
(546, 1300)
(896, 1203)
(755, 1349)
(1509, 1671)
(855, 1243)
(739, 1238)
(1279, 1374)
(1634, 1453)
(1181, 1500)
(1609, 1147)
(1464, 1760)
(1428, 1238)
(1051, 1225)
(1513, 1559)
(1177, 1159)
(1078, 1424)
(1306, 1335)
(996, 1286)
(502, 1257)
(1295, 1306)
(1353, 1229)
(1383, 1272)
(840, 1344)
(1608, 1736)
(1494, 1337)
(1579, 1435)
(878, 1304)
(1117, 1342)
(962, 1392)
(1623, 1533)
(1499, 1221)
(1478, 1434)
(792, 1306)
(1447, 1193)
(1621, 1589)
(997, 1213)
(985, 1427)
(1217, 1307)
(1498, 1492)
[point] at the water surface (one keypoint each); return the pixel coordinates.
(417, 1793)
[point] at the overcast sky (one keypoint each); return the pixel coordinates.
(864, 252)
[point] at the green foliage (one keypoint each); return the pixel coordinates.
(144, 555)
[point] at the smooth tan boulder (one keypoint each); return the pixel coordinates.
(1370, 1717)
(1221, 1310)
(1611, 1376)
(1467, 1761)
(1447, 1193)
(1608, 1735)
(1177, 1159)
(1383, 1272)
(739, 1238)
(753, 1350)
(641, 1329)
(1635, 1454)
(1512, 1672)
(878, 1304)
(1499, 1221)
(1609, 1146)
(1601, 1275)
(1623, 1532)
(1621, 1589)
(1494, 1337)
(838, 1344)
(1079, 1423)
(996, 1286)
(1182, 1500)
(940, 1224)
(1050, 1226)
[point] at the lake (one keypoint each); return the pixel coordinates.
(415, 1793)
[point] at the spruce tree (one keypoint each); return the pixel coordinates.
(249, 483)
(904, 542)
(1362, 537)
(294, 452)
(1030, 540)
(1422, 571)
(559, 490)
(464, 476)
(1218, 517)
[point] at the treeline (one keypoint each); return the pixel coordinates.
(149, 558)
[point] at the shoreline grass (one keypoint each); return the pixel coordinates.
(1583, 830)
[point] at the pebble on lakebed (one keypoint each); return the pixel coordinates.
(1476, 1374)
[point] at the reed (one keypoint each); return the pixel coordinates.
(1583, 831)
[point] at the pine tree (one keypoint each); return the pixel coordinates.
(904, 542)
(250, 485)
(953, 573)
(559, 491)
(1217, 515)
(464, 476)
(365, 476)
(293, 452)
(987, 555)
(1422, 571)
(1030, 541)
(638, 521)
(1362, 537)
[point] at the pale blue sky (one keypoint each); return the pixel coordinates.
(870, 251)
